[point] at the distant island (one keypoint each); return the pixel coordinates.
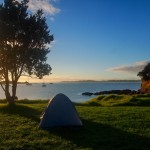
(104, 81)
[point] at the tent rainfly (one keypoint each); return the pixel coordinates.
(60, 112)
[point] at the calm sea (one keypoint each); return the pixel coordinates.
(72, 90)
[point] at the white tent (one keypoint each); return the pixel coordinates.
(60, 112)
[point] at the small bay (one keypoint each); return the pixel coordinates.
(73, 90)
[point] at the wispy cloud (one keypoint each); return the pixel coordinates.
(46, 5)
(133, 68)
(55, 0)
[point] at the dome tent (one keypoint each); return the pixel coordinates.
(60, 112)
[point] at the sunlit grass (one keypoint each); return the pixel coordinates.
(105, 128)
(120, 100)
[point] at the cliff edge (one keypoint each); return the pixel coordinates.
(145, 86)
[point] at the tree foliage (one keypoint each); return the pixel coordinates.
(145, 73)
(24, 40)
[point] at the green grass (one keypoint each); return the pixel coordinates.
(105, 128)
(120, 100)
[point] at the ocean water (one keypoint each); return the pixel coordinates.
(73, 90)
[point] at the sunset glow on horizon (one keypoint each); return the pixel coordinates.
(96, 40)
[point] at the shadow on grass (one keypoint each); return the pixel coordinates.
(26, 101)
(91, 104)
(98, 136)
(24, 111)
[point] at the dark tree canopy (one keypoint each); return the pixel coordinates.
(24, 40)
(145, 73)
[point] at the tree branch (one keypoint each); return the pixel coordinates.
(20, 71)
(29, 76)
(2, 87)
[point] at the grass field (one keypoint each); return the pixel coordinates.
(105, 128)
(120, 100)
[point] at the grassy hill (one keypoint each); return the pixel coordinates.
(120, 100)
(105, 128)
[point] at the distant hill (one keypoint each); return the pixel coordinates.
(122, 81)
(104, 81)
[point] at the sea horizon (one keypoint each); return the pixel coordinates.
(73, 90)
(67, 81)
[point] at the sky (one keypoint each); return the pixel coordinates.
(96, 39)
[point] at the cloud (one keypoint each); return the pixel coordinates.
(55, 0)
(133, 68)
(46, 5)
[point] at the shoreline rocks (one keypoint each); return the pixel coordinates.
(126, 91)
(88, 93)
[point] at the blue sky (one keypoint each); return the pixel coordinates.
(97, 40)
(93, 38)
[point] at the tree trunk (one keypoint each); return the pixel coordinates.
(14, 88)
(7, 94)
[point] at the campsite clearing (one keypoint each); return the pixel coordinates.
(119, 128)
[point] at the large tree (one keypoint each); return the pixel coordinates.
(145, 73)
(24, 40)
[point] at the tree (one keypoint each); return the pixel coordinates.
(145, 73)
(24, 40)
